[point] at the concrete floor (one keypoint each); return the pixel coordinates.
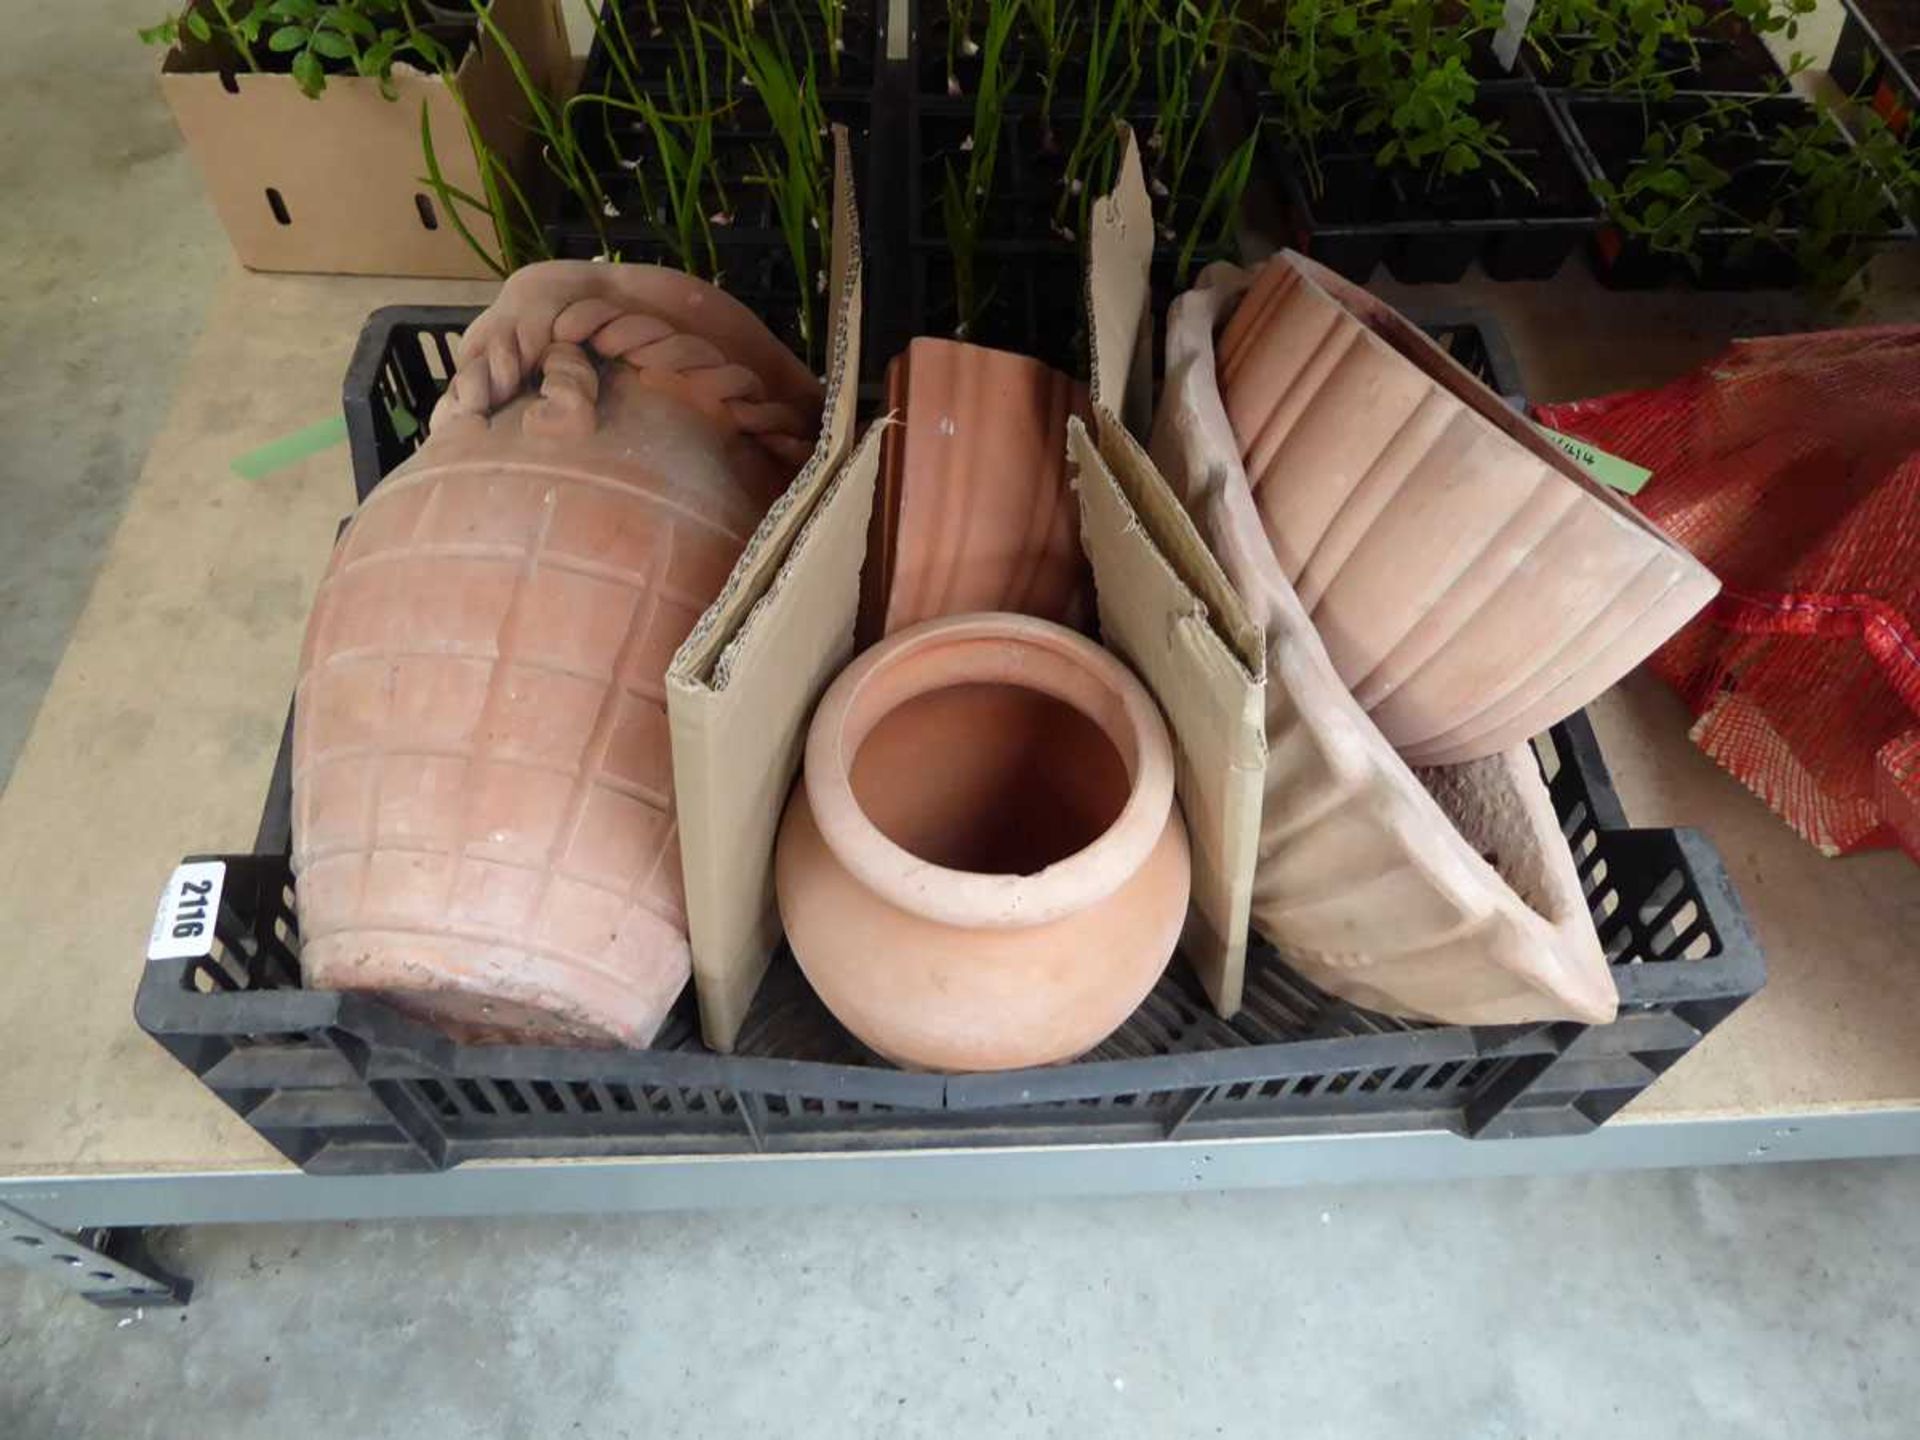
(1762, 1302)
(107, 256)
(1706, 1304)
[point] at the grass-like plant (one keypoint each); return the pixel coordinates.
(968, 190)
(1219, 212)
(504, 202)
(833, 25)
(1114, 67)
(1052, 27)
(1193, 44)
(959, 40)
(682, 136)
(795, 172)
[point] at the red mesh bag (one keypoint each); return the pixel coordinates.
(1791, 467)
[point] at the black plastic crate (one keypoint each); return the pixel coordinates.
(344, 1083)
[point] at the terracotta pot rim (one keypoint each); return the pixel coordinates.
(1029, 653)
(1387, 329)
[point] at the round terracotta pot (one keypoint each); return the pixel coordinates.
(1472, 584)
(983, 867)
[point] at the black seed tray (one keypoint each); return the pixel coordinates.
(1365, 216)
(1880, 66)
(752, 253)
(1607, 134)
(346, 1084)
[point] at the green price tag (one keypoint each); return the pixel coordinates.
(1622, 475)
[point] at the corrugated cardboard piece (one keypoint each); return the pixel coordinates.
(1165, 604)
(345, 169)
(741, 688)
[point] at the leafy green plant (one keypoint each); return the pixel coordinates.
(1052, 26)
(1774, 17)
(1390, 72)
(968, 191)
(1417, 92)
(236, 22)
(359, 37)
(1672, 191)
(1837, 193)
(1617, 45)
(1308, 69)
(1807, 188)
(1643, 46)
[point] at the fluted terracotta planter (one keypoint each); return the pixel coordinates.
(1473, 585)
(973, 511)
(1448, 894)
(983, 866)
(483, 820)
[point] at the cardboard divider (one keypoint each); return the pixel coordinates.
(1166, 606)
(743, 685)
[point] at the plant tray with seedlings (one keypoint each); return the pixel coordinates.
(641, 41)
(312, 40)
(1877, 58)
(698, 139)
(1513, 198)
(1011, 131)
(1660, 47)
(345, 1083)
(1736, 192)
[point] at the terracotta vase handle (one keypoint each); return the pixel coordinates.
(553, 321)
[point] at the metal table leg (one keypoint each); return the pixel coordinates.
(110, 1268)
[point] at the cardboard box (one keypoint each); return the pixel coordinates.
(1166, 606)
(335, 184)
(742, 687)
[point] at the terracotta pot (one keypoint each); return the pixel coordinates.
(1472, 584)
(1447, 894)
(983, 866)
(483, 801)
(973, 511)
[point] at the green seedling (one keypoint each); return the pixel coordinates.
(1219, 207)
(1113, 74)
(1052, 27)
(359, 37)
(968, 189)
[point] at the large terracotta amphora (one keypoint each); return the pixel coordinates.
(483, 823)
